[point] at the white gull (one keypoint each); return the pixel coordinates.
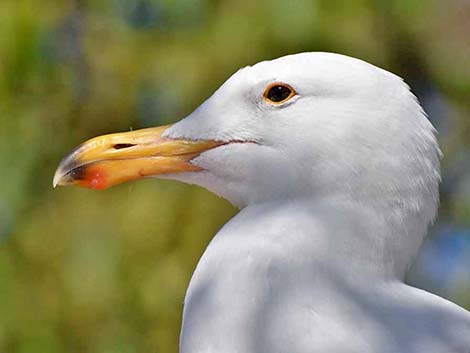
(335, 168)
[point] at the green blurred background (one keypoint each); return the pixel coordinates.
(87, 271)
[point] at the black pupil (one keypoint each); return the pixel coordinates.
(278, 93)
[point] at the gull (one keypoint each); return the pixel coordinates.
(335, 169)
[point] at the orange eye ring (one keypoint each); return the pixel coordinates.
(278, 93)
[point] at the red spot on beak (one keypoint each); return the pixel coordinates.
(95, 178)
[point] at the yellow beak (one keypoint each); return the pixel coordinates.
(113, 159)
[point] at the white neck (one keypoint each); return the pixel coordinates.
(292, 251)
(364, 239)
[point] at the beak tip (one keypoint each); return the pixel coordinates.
(56, 180)
(68, 164)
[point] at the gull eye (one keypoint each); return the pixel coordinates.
(278, 93)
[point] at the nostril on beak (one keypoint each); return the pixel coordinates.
(119, 146)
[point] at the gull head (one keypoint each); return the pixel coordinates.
(310, 125)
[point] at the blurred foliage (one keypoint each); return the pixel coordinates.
(85, 271)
